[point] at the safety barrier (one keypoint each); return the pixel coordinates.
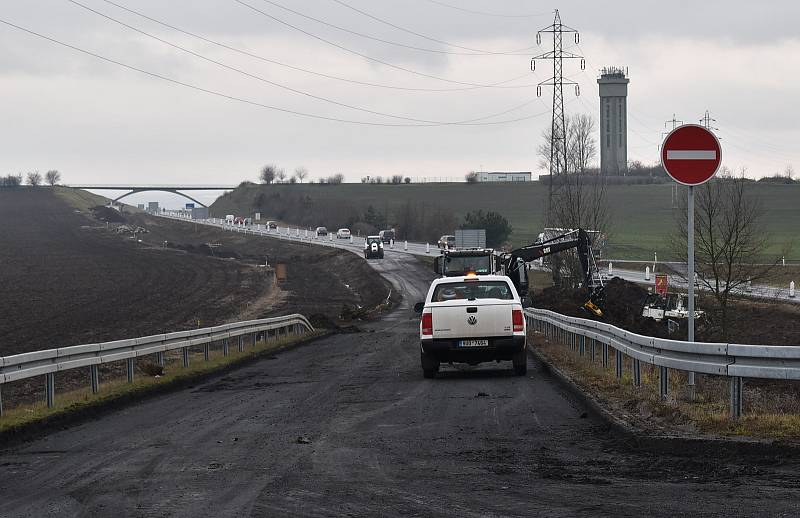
(736, 361)
(48, 362)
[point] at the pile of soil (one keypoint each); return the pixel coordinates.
(107, 214)
(622, 307)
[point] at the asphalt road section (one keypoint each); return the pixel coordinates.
(347, 426)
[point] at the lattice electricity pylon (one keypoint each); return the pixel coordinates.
(707, 120)
(558, 137)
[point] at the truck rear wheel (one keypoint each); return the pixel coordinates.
(520, 361)
(430, 365)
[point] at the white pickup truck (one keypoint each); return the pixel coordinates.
(472, 319)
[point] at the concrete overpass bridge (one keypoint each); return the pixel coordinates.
(174, 189)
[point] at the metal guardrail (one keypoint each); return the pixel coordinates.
(735, 361)
(48, 362)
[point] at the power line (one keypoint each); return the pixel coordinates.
(373, 38)
(365, 56)
(273, 83)
(482, 13)
(248, 101)
(503, 84)
(409, 31)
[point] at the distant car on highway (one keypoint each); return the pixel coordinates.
(321, 231)
(272, 225)
(447, 242)
(472, 319)
(386, 236)
(343, 233)
(373, 247)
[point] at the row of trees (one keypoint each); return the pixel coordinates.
(273, 174)
(396, 179)
(33, 178)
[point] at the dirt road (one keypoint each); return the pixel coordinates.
(347, 426)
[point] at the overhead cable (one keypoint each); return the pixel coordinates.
(503, 84)
(248, 101)
(276, 84)
(365, 56)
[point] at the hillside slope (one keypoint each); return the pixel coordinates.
(642, 215)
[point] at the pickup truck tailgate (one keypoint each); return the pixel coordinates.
(465, 319)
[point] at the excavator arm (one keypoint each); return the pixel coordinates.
(577, 239)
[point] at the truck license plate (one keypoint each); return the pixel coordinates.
(473, 343)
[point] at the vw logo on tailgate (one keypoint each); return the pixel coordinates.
(472, 320)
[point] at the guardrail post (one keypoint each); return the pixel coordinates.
(240, 344)
(185, 351)
(254, 340)
(50, 389)
(737, 387)
(225, 347)
(663, 379)
(618, 357)
(129, 369)
(605, 355)
(160, 358)
(1, 401)
(592, 351)
(94, 376)
(637, 373)
(206, 351)
(405, 247)
(582, 345)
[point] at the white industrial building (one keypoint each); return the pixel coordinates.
(504, 176)
(613, 121)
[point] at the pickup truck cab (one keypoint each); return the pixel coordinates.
(472, 319)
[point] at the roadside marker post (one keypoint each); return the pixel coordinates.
(691, 155)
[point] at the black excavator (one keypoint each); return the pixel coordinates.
(514, 265)
(485, 261)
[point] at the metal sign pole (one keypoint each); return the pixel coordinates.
(690, 253)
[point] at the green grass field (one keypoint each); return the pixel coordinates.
(642, 216)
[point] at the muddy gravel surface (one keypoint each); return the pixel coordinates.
(347, 426)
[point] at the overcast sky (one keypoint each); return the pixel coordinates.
(99, 122)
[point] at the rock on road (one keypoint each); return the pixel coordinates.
(347, 426)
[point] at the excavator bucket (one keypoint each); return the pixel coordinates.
(594, 308)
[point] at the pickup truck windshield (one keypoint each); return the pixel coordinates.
(472, 290)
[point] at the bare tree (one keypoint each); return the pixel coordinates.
(581, 144)
(789, 171)
(581, 202)
(471, 177)
(34, 178)
(53, 177)
(730, 240)
(268, 173)
(280, 175)
(301, 173)
(397, 179)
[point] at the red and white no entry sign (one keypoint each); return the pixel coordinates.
(691, 154)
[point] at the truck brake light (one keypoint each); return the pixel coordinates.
(427, 324)
(517, 320)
